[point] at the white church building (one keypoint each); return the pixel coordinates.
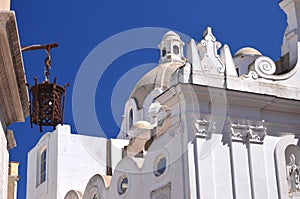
(204, 124)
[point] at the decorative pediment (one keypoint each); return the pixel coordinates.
(208, 47)
(207, 66)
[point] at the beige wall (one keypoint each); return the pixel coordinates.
(13, 177)
(5, 5)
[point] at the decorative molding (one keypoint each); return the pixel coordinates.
(208, 50)
(73, 194)
(240, 132)
(251, 75)
(13, 90)
(93, 188)
(264, 67)
(204, 128)
(15, 49)
(6, 105)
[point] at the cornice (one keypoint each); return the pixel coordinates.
(13, 90)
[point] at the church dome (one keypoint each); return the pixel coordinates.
(158, 78)
(171, 36)
(246, 52)
(244, 57)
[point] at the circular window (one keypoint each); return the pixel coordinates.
(164, 52)
(122, 185)
(176, 50)
(160, 166)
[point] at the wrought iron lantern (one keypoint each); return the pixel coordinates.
(47, 99)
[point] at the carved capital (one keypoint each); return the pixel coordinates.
(204, 128)
(246, 133)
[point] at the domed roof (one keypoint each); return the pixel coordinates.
(244, 57)
(247, 51)
(159, 77)
(171, 36)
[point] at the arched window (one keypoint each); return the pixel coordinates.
(164, 52)
(160, 166)
(43, 166)
(130, 118)
(122, 185)
(176, 50)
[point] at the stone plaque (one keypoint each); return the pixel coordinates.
(162, 192)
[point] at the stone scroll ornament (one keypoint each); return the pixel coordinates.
(293, 176)
(263, 67)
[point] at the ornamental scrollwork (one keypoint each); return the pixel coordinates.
(208, 50)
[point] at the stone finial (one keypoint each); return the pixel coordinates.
(206, 65)
(227, 59)
(192, 54)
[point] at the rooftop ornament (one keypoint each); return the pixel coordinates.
(47, 99)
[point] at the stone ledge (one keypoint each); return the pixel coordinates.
(15, 105)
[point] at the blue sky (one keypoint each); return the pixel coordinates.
(79, 26)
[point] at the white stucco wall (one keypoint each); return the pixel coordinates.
(3, 163)
(140, 172)
(70, 163)
(116, 151)
(227, 172)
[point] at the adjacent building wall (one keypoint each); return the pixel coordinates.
(3, 162)
(5, 5)
(71, 161)
(13, 177)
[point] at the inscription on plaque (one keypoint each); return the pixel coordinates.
(162, 192)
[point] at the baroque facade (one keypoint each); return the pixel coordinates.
(202, 125)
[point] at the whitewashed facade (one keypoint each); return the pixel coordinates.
(204, 125)
(68, 160)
